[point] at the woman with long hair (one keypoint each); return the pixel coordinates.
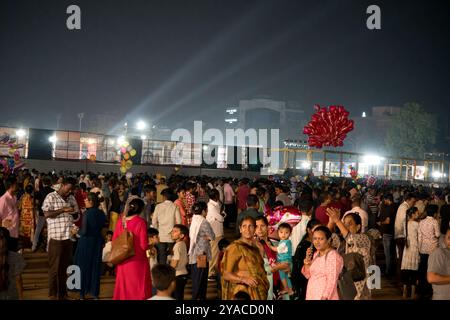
(88, 255)
(411, 257)
(133, 280)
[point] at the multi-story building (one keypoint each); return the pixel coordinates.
(370, 130)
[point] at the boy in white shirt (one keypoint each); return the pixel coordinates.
(152, 252)
(107, 266)
(163, 278)
(180, 259)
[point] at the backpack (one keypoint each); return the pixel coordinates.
(354, 264)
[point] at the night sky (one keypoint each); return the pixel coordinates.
(173, 62)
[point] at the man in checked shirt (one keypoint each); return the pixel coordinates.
(59, 208)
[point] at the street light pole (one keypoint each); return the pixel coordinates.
(58, 118)
(80, 116)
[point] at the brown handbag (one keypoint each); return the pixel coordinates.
(201, 261)
(122, 247)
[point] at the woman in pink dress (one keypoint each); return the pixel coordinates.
(323, 269)
(133, 280)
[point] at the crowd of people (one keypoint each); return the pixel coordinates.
(217, 229)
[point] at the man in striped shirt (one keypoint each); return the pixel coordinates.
(59, 208)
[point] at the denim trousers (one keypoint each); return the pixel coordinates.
(39, 226)
(389, 250)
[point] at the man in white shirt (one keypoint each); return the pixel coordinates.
(356, 208)
(299, 231)
(166, 215)
(400, 224)
(37, 182)
(215, 219)
(219, 187)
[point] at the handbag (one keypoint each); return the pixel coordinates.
(122, 247)
(201, 261)
(346, 286)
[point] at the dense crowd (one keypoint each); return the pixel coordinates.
(220, 229)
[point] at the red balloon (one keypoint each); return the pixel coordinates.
(328, 127)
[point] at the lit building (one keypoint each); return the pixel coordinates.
(103, 123)
(370, 130)
(266, 113)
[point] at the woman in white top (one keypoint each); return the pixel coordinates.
(410, 260)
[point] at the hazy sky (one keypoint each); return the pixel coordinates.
(173, 62)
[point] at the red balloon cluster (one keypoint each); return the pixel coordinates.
(328, 127)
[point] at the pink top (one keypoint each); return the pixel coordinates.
(9, 211)
(323, 275)
(133, 279)
(228, 193)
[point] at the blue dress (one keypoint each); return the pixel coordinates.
(88, 255)
(285, 255)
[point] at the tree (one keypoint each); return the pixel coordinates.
(412, 133)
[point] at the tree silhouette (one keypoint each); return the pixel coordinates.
(412, 133)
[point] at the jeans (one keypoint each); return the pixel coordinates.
(37, 233)
(389, 249)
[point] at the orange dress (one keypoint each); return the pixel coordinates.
(27, 219)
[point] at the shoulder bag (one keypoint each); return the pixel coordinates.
(122, 246)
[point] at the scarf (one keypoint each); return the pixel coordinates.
(197, 220)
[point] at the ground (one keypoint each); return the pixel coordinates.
(35, 281)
